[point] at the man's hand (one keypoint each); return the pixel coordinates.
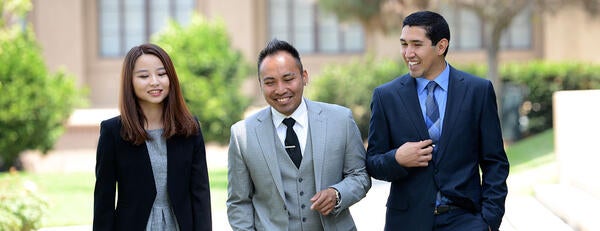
(415, 154)
(324, 201)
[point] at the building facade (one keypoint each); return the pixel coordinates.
(89, 37)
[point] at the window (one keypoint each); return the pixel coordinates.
(311, 30)
(127, 23)
(466, 30)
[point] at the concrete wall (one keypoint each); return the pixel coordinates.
(576, 126)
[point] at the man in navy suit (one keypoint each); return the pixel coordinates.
(431, 133)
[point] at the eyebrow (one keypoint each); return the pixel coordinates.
(414, 40)
(289, 74)
(144, 70)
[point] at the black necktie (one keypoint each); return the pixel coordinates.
(292, 146)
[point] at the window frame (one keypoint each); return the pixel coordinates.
(317, 24)
(148, 23)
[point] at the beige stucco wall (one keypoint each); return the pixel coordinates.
(68, 33)
(58, 25)
(571, 35)
(241, 22)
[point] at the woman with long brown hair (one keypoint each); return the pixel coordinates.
(152, 157)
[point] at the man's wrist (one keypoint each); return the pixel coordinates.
(338, 198)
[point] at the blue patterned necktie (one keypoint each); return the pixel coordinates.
(433, 126)
(433, 113)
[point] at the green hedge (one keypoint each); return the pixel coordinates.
(210, 71)
(542, 79)
(352, 84)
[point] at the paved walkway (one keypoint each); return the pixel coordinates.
(523, 212)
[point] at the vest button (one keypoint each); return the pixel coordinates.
(304, 219)
(303, 206)
(300, 180)
(301, 193)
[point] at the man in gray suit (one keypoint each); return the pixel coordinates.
(302, 178)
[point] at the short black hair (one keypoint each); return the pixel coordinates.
(274, 46)
(436, 27)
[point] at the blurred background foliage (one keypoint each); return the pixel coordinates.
(21, 206)
(210, 72)
(35, 103)
(352, 85)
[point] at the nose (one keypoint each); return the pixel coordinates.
(280, 88)
(408, 52)
(153, 80)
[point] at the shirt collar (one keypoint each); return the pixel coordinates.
(300, 115)
(441, 80)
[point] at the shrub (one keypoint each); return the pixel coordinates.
(21, 208)
(352, 85)
(34, 103)
(542, 79)
(210, 73)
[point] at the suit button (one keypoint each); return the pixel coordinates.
(303, 206)
(284, 208)
(304, 219)
(301, 193)
(300, 180)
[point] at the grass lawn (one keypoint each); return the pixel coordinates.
(70, 196)
(532, 162)
(531, 152)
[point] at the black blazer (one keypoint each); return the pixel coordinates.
(471, 139)
(120, 163)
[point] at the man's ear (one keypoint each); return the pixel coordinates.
(305, 77)
(442, 46)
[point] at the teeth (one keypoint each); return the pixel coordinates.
(154, 91)
(282, 99)
(412, 63)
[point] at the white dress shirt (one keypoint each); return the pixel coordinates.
(301, 126)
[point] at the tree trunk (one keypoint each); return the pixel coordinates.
(492, 48)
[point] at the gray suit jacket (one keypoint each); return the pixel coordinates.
(255, 190)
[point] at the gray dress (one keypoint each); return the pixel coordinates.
(161, 216)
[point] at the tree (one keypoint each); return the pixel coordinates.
(496, 15)
(35, 104)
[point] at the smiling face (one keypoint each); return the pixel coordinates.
(423, 58)
(150, 81)
(282, 82)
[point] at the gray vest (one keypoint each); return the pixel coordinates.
(299, 187)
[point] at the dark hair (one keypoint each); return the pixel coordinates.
(275, 46)
(436, 27)
(176, 117)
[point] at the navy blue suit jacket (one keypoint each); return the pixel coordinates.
(471, 139)
(122, 163)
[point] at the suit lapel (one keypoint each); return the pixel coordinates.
(457, 90)
(265, 135)
(408, 98)
(317, 129)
